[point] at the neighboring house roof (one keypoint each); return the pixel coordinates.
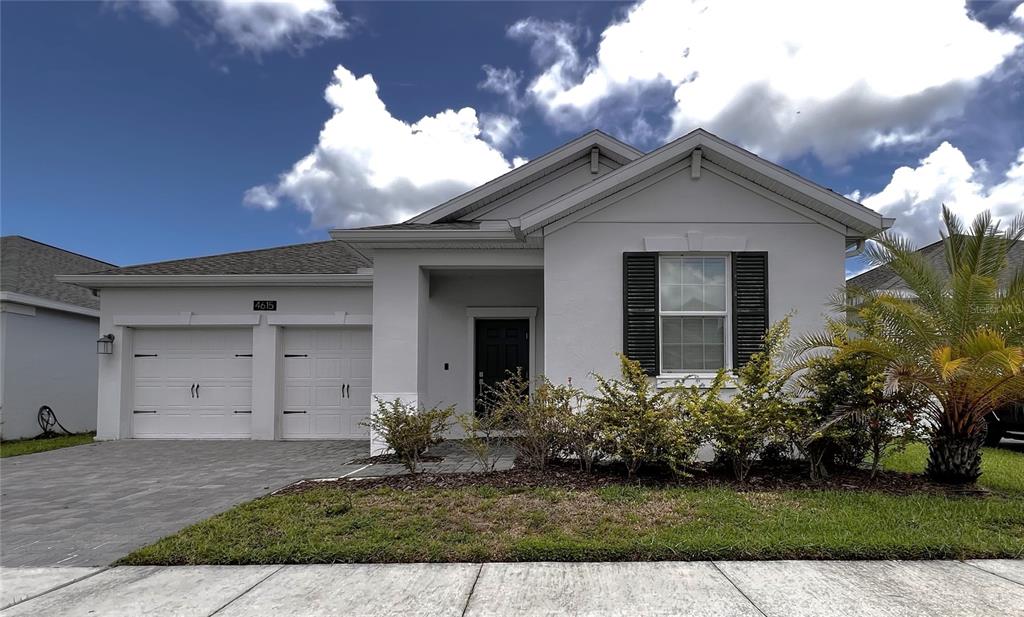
(422, 226)
(883, 278)
(477, 198)
(28, 267)
(327, 257)
(726, 159)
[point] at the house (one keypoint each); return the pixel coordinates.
(680, 257)
(48, 336)
(882, 278)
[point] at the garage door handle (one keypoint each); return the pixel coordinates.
(348, 391)
(145, 355)
(193, 391)
(296, 355)
(243, 355)
(243, 411)
(295, 411)
(143, 411)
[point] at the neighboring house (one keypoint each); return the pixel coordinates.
(47, 338)
(680, 257)
(882, 278)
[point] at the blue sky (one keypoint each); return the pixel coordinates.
(139, 132)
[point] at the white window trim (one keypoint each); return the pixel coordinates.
(669, 378)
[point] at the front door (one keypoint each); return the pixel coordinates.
(502, 346)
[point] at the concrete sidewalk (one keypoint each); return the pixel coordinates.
(707, 589)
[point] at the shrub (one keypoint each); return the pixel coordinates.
(640, 424)
(846, 396)
(759, 415)
(409, 431)
(583, 433)
(535, 420)
(482, 434)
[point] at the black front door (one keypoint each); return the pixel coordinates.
(502, 346)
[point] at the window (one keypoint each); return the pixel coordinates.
(693, 311)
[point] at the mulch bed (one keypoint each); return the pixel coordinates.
(566, 476)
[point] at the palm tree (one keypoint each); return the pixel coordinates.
(957, 334)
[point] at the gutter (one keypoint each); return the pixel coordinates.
(100, 281)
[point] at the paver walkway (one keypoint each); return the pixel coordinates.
(987, 588)
(90, 505)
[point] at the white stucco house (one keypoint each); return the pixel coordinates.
(48, 333)
(680, 257)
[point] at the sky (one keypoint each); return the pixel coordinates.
(140, 131)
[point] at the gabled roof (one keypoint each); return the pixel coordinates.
(28, 269)
(327, 257)
(484, 194)
(883, 278)
(715, 151)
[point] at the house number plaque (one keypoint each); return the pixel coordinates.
(264, 305)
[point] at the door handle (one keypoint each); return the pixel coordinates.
(197, 390)
(348, 392)
(193, 391)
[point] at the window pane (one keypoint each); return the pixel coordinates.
(714, 357)
(693, 271)
(671, 271)
(670, 298)
(714, 271)
(692, 300)
(714, 298)
(693, 358)
(671, 330)
(714, 331)
(671, 357)
(692, 331)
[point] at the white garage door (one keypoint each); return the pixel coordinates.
(192, 383)
(326, 383)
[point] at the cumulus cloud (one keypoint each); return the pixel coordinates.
(500, 129)
(781, 78)
(915, 195)
(371, 168)
(503, 81)
(256, 26)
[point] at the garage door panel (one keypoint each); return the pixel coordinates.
(194, 379)
(334, 357)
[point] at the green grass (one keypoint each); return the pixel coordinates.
(1002, 469)
(616, 523)
(17, 447)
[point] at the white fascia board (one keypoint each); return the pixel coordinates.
(610, 183)
(612, 148)
(55, 305)
(99, 281)
(394, 236)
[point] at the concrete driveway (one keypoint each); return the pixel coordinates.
(90, 505)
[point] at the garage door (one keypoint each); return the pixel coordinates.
(326, 383)
(192, 383)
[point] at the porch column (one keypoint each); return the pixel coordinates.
(400, 296)
(265, 363)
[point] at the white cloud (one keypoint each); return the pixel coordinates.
(503, 81)
(781, 78)
(915, 195)
(371, 168)
(1018, 13)
(257, 26)
(500, 129)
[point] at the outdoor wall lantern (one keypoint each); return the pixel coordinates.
(105, 344)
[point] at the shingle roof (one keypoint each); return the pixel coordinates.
(328, 257)
(28, 267)
(883, 277)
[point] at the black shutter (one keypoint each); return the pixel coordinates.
(749, 305)
(640, 309)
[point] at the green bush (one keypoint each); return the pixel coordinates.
(483, 432)
(760, 416)
(409, 431)
(535, 421)
(640, 424)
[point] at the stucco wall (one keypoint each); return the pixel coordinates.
(116, 394)
(49, 358)
(583, 261)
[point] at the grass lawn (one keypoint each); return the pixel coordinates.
(17, 447)
(614, 523)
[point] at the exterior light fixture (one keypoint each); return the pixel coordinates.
(105, 344)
